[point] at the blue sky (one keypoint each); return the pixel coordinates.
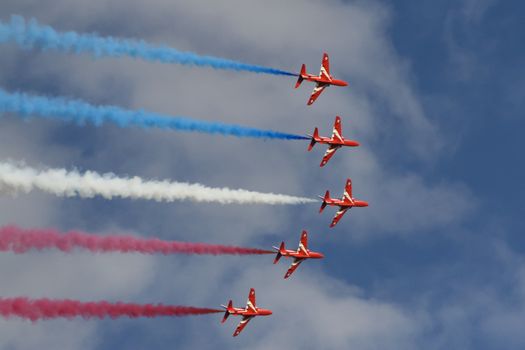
(435, 262)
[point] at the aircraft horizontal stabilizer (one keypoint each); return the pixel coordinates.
(280, 252)
(300, 79)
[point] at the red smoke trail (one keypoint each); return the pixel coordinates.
(39, 309)
(20, 240)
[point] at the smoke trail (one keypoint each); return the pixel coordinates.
(15, 179)
(20, 240)
(43, 309)
(32, 34)
(81, 112)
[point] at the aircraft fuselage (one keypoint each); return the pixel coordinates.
(302, 255)
(345, 203)
(249, 312)
(331, 141)
(323, 81)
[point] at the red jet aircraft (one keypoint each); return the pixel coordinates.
(299, 256)
(322, 80)
(247, 313)
(335, 142)
(344, 203)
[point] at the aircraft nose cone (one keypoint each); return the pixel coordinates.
(321, 255)
(365, 204)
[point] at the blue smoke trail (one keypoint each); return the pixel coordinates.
(31, 34)
(82, 112)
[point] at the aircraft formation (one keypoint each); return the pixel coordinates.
(334, 142)
(302, 253)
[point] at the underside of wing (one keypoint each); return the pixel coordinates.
(338, 216)
(250, 304)
(325, 67)
(329, 154)
(303, 243)
(242, 324)
(315, 94)
(337, 133)
(293, 267)
(348, 191)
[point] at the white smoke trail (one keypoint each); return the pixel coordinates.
(16, 179)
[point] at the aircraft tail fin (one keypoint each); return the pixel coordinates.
(325, 198)
(300, 79)
(229, 309)
(315, 136)
(280, 252)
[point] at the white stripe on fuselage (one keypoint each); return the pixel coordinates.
(251, 306)
(336, 133)
(301, 247)
(325, 73)
(347, 196)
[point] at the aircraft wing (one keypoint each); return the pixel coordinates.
(338, 216)
(295, 265)
(329, 153)
(348, 191)
(250, 304)
(303, 243)
(337, 133)
(315, 94)
(242, 324)
(325, 67)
